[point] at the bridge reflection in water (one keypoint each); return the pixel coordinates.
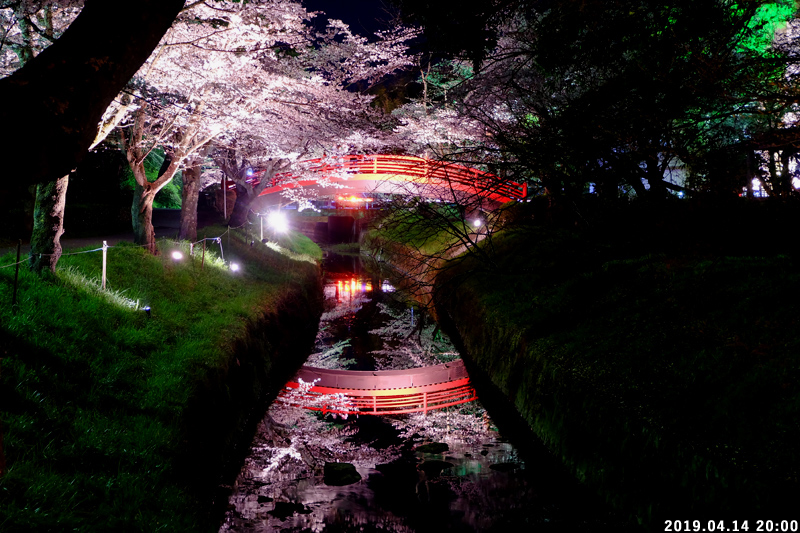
(376, 392)
(380, 392)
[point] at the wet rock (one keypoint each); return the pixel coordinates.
(284, 510)
(433, 468)
(504, 467)
(433, 447)
(484, 452)
(338, 474)
(264, 499)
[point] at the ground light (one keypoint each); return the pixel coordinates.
(234, 267)
(476, 223)
(177, 256)
(278, 221)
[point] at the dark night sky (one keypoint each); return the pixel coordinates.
(363, 16)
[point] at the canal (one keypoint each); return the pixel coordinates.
(455, 469)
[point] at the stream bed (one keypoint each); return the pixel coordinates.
(451, 469)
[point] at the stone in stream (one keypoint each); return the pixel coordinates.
(433, 468)
(284, 510)
(338, 474)
(504, 467)
(433, 447)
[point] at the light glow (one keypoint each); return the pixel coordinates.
(235, 267)
(278, 221)
(476, 223)
(353, 199)
(177, 256)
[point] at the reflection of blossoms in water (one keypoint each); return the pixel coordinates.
(345, 308)
(467, 425)
(286, 464)
(303, 397)
(410, 343)
(331, 357)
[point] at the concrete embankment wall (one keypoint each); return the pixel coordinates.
(230, 401)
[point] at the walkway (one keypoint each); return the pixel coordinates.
(382, 392)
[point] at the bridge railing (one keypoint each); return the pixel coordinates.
(418, 169)
(352, 392)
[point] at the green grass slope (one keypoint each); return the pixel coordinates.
(116, 420)
(666, 380)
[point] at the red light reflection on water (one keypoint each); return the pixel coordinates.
(347, 289)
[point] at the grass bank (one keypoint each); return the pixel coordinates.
(119, 419)
(661, 366)
(667, 382)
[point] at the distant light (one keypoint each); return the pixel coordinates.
(249, 172)
(277, 221)
(354, 199)
(234, 267)
(680, 194)
(476, 223)
(177, 256)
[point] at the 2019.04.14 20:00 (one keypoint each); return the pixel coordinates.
(768, 526)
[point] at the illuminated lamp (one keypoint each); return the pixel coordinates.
(277, 221)
(177, 256)
(234, 267)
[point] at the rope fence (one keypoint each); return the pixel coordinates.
(105, 247)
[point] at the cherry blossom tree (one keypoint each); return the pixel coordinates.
(311, 102)
(208, 74)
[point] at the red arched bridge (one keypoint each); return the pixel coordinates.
(396, 168)
(380, 392)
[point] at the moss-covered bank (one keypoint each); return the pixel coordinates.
(117, 419)
(667, 382)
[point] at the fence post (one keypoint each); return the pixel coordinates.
(16, 278)
(105, 253)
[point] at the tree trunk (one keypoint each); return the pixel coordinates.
(189, 196)
(638, 187)
(752, 166)
(773, 180)
(786, 187)
(2, 453)
(48, 224)
(655, 179)
(241, 208)
(142, 217)
(60, 95)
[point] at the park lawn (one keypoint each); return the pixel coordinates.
(96, 392)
